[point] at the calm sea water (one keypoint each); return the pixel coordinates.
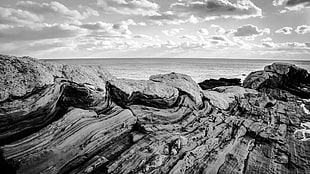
(198, 69)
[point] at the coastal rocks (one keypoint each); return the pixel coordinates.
(25, 115)
(21, 76)
(94, 75)
(280, 76)
(88, 122)
(68, 141)
(183, 83)
(223, 97)
(145, 92)
(212, 83)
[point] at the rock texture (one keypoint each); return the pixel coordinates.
(74, 119)
(280, 76)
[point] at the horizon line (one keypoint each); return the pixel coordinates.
(223, 58)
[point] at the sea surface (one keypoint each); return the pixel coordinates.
(198, 69)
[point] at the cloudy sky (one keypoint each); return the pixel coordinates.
(277, 29)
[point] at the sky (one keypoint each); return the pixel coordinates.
(258, 29)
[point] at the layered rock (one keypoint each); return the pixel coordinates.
(82, 120)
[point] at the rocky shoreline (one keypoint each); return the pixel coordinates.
(58, 118)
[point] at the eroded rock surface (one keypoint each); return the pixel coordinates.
(85, 121)
(280, 76)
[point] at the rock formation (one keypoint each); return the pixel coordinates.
(76, 119)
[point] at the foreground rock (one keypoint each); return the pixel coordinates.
(86, 121)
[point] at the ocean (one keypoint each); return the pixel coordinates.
(198, 69)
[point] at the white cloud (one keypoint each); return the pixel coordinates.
(195, 11)
(285, 30)
(39, 32)
(189, 37)
(107, 30)
(172, 31)
(302, 29)
(269, 44)
(56, 9)
(132, 22)
(267, 39)
(135, 7)
(279, 2)
(203, 31)
(286, 45)
(17, 16)
(216, 8)
(218, 29)
(221, 40)
(144, 36)
(250, 31)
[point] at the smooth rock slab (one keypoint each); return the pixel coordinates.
(182, 82)
(223, 97)
(145, 92)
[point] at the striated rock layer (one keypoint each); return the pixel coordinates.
(76, 119)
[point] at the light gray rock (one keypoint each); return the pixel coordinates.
(182, 82)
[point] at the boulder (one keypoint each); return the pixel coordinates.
(223, 97)
(183, 83)
(283, 76)
(144, 92)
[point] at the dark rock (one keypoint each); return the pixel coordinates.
(280, 76)
(212, 83)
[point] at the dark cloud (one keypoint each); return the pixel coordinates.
(194, 11)
(250, 30)
(285, 30)
(217, 8)
(292, 4)
(297, 2)
(303, 29)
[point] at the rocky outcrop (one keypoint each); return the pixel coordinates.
(86, 121)
(280, 76)
(182, 82)
(22, 76)
(212, 83)
(145, 92)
